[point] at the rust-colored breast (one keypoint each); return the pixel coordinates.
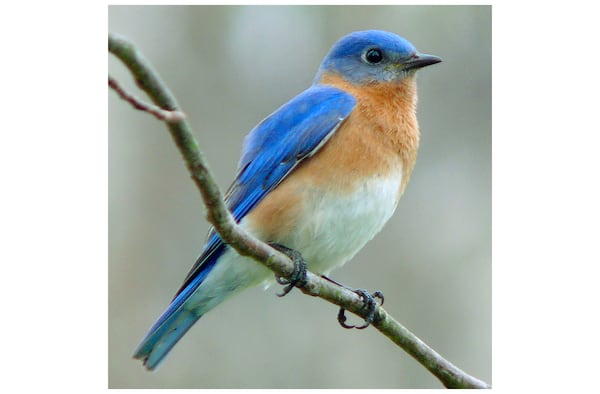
(379, 139)
(383, 125)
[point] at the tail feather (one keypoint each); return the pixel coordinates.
(179, 316)
(199, 295)
(160, 340)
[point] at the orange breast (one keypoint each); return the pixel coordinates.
(378, 140)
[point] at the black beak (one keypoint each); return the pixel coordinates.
(420, 60)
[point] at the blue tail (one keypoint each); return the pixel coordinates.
(163, 336)
(172, 325)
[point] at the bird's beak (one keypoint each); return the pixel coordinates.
(420, 60)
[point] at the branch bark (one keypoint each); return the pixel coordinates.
(247, 245)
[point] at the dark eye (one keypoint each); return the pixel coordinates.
(373, 56)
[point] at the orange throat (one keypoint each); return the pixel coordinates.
(385, 116)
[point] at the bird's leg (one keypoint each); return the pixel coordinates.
(298, 277)
(369, 304)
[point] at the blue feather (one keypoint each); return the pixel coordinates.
(281, 141)
(346, 56)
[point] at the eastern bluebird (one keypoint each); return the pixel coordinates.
(320, 175)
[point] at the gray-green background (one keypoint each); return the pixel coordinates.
(229, 68)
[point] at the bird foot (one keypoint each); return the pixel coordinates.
(370, 305)
(298, 277)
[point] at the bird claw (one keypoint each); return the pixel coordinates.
(369, 304)
(298, 277)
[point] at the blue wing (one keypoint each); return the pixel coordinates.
(271, 151)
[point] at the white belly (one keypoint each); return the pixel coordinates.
(335, 227)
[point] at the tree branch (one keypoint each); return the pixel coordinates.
(159, 113)
(246, 244)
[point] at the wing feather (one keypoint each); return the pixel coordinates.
(271, 151)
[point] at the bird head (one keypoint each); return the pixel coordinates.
(373, 56)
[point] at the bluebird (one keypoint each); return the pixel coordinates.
(320, 176)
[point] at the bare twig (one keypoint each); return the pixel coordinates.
(159, 113)
(247, 245)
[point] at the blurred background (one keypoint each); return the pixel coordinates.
(229, 67)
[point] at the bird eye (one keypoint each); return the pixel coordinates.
(373, 56)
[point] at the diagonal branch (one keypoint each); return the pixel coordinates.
(246, 244)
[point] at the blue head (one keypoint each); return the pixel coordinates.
(373, 56)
